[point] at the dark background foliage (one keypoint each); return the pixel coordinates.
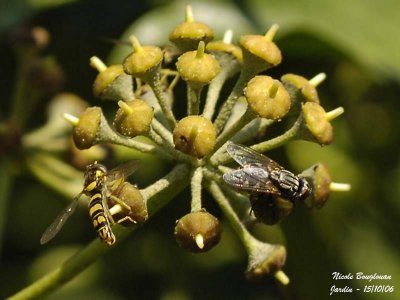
(354, 42)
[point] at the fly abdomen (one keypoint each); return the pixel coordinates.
(99, 219)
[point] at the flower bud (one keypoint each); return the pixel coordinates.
(111, 83)
(195, 135)
(143, 61)
(320, 181)
(86, 127)
(197, 67)
(225, 47)
(300, 87)
(267, 97)
(260, 50)
(133, 118)
(317, 123)
(30, 38)
(266, 263)
(131, 196)
(198, 231)
(269, 209)
(187, 35)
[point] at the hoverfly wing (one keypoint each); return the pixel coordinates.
(124, 170)
(59, 222)
(251, 178)
(245, 155)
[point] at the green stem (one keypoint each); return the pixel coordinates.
(156, 86)
(229, 68)
(230, 214)
(157, 195)
(193, 99)
(247, 117)
(195, 185)
(237, 91)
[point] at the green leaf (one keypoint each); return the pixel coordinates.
(366, 30)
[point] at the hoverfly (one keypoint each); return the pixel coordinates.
(261, 176)
(99, 184)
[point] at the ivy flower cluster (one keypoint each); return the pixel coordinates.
(142, 87)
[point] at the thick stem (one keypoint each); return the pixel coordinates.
(193, 99)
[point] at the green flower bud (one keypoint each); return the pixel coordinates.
(133, 199)
(225, 47)
(198, 231)
(187, 35)
(143, 61)
(197, 67)
(300, 87)
(133, 118)
(260, 51)
(267, 97)
(321, 183)
(269, 262)
(86, 127)
(195, 135)
(270, 210)
(317, 123)
(111, 83)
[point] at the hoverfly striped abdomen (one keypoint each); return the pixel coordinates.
(94, 187)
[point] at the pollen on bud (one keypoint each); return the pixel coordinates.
(198, 67)
(85, 130)
(135, 212)
(111, 83)
(198, 231)
(269, 209)
(260, 50)
(195, 135)
(187, 35)
(317, 123)
(133, 118)
(143, 61)
(267, 97)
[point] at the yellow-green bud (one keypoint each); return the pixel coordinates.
(198, 231)
(137, 212)
(270, 210)
(260, 50)
(85, 130)
(112, 83)
(143, 61)
(300, 85)
(187, 35)
(317, 123)
(220, 46)
(197, 67)
(133, 118)
(267, 97)
(195, 135)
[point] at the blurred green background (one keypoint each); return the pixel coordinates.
(356, 43)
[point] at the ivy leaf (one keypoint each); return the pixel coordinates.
(366, 30)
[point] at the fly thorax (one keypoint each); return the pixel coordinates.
(304, 189)
(286, 181)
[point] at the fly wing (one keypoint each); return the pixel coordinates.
(124, 170)
(245, 155)
(251, 178)
(59, 222)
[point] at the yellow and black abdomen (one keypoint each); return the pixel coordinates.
(99, 218)
(95, 178)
